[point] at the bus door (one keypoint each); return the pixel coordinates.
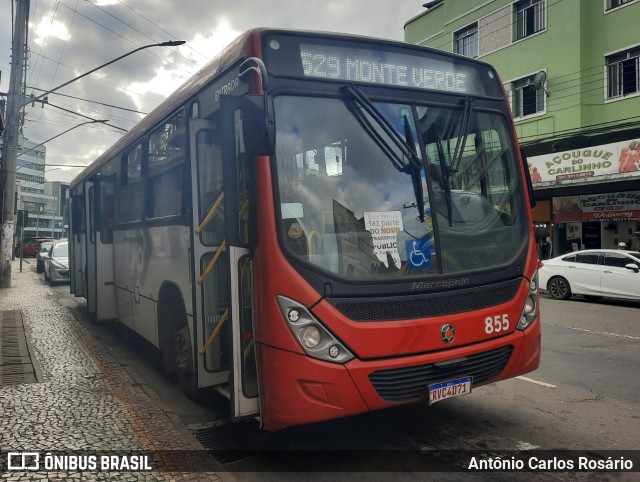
(77, 240)
(222, 261)
(100, 199)
(105, 189)
(90, 251)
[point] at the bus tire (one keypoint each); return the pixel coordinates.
(183, 357)
(171, 317)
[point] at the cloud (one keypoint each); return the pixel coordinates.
(47, 28)
(73, 37)
(168, 78)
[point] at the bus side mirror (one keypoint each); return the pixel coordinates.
(258, 125)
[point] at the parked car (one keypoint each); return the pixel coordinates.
(592, 273)
(31, 247)
(56, 262)
(44, 248)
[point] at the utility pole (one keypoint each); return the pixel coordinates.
(15, 104)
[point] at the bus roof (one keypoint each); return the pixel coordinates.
(248, 43)
(227, 56)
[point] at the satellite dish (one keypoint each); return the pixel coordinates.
(539, 80)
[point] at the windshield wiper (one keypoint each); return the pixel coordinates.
(406, 150)
(415, 169)
(445, 174)
(456, 158)
(406, 146)
(462, 135)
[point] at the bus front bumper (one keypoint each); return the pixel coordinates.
(297, 390)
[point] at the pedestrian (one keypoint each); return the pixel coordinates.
(545, 248)
(622, 245)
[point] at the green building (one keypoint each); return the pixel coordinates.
(571, 70)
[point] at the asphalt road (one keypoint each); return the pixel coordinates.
(584, 397)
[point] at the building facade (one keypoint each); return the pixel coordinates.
(46, 202)
(571, 70)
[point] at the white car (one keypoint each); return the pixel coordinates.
(592, 273)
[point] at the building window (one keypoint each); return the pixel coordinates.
(466, 41)
(611, 4)
(623, 70)
(526, 99)
(529, 17)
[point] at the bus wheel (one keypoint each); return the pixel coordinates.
(559, 288)
(183, 357)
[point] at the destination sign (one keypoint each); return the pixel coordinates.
(373, 61)
(393, 68)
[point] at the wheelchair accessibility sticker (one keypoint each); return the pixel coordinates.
(418, 253)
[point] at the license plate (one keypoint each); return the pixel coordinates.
(449, 389)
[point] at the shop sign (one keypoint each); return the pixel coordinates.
(608, 159)
(614, 206)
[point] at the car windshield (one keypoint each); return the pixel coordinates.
(635, 255)
(60, 250)
(355, 201)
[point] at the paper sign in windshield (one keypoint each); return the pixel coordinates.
(384, 228)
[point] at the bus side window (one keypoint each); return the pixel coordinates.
(210, 179)
(167, 153)
(78, 215)
(132, 190)
(107, 203)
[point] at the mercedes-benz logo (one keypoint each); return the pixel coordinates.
(448, 333)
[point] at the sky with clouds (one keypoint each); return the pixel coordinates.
(70, 37)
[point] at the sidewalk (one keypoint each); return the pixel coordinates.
(83, 400)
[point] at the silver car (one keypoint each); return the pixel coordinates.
(56, 263)
(592, 273)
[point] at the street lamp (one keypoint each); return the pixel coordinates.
(171, 43)
(14, 108)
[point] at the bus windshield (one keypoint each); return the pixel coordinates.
(438, 195)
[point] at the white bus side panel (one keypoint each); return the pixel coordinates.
(105, 291)
(144, 259)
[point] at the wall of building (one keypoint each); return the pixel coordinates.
(578, 117)
(601, 34)
(571, 50)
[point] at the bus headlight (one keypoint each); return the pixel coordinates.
(314, 338)
(310, 336)
(530, 305)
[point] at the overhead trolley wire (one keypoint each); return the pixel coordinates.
(92, 101)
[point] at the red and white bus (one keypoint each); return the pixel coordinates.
(318, 225)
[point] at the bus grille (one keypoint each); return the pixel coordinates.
(425, 305)
(409, 383)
